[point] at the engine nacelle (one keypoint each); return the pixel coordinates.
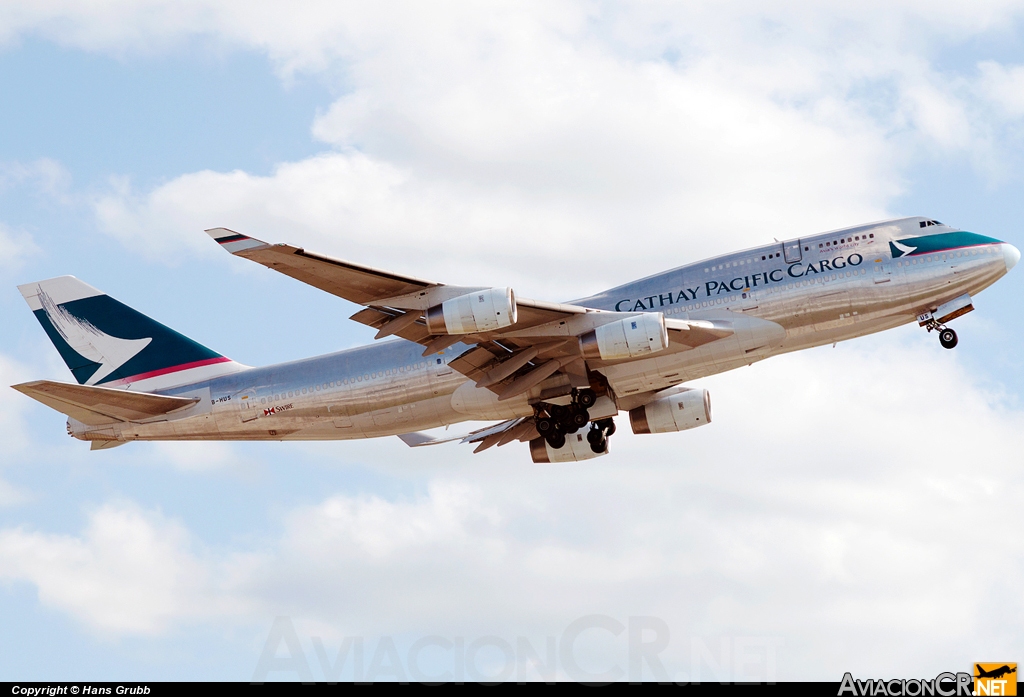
(627, 338)
(481, 311)
(680, 411)
(576, 448)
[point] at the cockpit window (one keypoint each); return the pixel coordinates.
(926, 223)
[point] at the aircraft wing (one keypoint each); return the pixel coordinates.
(101, 405)
(543, 341)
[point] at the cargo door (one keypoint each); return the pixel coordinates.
(882, 271)
(792, 251)
(248, 405)
(833, 309)
(391, 403)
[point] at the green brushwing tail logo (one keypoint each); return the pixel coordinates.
(109, 352)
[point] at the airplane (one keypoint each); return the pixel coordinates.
(553, 375)
(995, 673)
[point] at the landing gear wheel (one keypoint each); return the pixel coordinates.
(594, 435)
(586, 398)
(947, 337)
(579, 418)
(559, 411)
(607, 425)
(545, 426)
(600, 445)
(556, 440)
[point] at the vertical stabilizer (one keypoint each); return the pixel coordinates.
(105, 342)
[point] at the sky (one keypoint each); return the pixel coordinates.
(850, 508)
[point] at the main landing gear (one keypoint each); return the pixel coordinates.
(947, 337)
(598, 435)
(554, 421)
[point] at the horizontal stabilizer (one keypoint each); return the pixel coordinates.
(521, 429)
(105, 444)
(416, 439)
(101, 405)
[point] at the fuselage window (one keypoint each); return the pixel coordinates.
(303, 390)
(263, 401)
(872, 235)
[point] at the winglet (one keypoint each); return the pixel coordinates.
(232, 241)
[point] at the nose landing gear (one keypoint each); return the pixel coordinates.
(947, 337)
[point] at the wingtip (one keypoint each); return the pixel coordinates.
(233, 241)
(220, 233)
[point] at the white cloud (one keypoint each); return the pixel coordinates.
(479, 146)
(13, 410)
(817, 509)
(195, 456)
(1003, 86)
(825, 501)
(44, 175)
(562, 173)
(863, 497)
(11, 495)
(15, 248)
(128, 573)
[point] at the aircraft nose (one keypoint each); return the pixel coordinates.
(1011, 255)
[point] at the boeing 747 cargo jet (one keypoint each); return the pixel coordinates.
(542, 370)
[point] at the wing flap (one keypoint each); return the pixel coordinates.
(378, 318)
(101, 405)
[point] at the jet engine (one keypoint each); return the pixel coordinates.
(626, 338)
(480, 311)
(576, 448)
(678, 411)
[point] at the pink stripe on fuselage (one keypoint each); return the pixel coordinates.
(173, 369)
